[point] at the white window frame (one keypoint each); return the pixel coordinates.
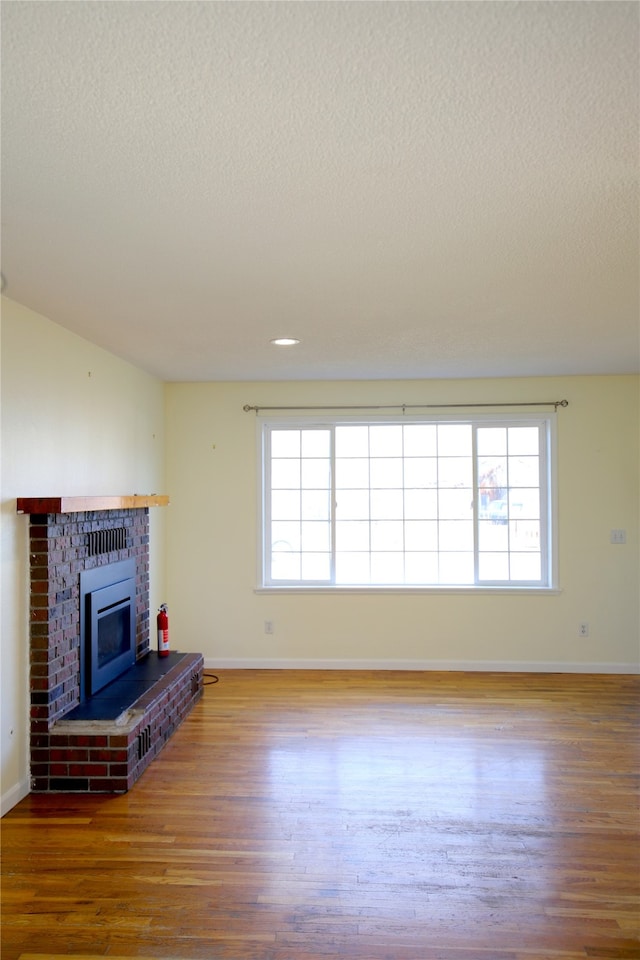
(548, 513)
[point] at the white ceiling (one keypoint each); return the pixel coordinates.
(414, 189)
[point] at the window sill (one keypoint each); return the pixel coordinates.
(413, 590)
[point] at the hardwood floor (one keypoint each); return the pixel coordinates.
(359, 815)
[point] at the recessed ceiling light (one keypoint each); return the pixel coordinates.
(284, 342)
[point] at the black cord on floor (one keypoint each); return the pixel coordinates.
(210, 679)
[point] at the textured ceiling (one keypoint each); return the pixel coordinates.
(426, 189)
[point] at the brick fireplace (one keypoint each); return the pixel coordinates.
(103, 746)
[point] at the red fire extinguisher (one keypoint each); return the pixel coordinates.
(163, 631)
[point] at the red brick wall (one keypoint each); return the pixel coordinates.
(59, 550)
(65, 755)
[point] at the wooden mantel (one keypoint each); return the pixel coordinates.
(81, 504)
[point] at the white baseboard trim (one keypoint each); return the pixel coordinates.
(13, 796)
(471, 666)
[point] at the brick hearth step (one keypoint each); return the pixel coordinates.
(105, 744)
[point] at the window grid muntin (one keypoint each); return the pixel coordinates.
(544, 429)
(268, 525)
(512, 555)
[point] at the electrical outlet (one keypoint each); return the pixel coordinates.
(618, 536)
(268, 626)
(583, 629)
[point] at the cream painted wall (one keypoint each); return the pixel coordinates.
(211, 539)
(75, 420)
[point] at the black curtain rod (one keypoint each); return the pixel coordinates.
(414, 406)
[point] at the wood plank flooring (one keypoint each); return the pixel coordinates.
(312, 815)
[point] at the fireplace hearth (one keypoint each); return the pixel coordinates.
(101, 712)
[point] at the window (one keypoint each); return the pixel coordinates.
(410, 503)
